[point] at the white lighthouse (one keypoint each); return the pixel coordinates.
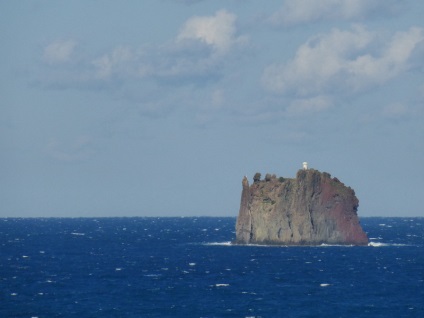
(305, 165)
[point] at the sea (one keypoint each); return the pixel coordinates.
(189, 267)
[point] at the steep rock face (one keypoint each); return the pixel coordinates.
(311, 209)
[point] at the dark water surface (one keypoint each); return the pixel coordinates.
(186, 267)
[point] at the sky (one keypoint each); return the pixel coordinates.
(160, 107)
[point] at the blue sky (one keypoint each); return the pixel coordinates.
(159, 108)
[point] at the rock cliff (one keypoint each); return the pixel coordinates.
(311, 209)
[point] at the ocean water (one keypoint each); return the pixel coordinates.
(187, 267)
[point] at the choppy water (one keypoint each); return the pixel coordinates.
(187, 267)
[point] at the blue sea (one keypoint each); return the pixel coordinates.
(187, 267)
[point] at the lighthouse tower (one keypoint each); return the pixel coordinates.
(305, 165)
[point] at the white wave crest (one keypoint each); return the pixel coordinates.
(219, 243)
(373, 244)
(379, 244)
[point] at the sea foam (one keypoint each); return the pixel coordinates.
(219, 243)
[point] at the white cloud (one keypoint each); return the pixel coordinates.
(308, 106)
(118, 61)
(305, 11)
(166, 62)
(59, 52)
(350, 60)
(218, 31)
(195, 56)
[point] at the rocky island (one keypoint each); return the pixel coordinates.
(311, 209)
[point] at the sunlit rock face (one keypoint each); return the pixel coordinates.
(311, 209)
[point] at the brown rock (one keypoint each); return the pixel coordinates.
(311, 209)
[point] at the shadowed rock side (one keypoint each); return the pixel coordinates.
(311, 209)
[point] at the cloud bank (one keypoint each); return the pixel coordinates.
(202, 44)
(347, 60)
(331, 65)
(295, 12)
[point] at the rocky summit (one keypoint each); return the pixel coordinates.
(311, 209)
